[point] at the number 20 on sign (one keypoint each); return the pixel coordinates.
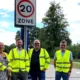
(25, 11)
(25, 8)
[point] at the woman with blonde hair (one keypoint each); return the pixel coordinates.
(3, 63)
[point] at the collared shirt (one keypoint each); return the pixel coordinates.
(19, 51)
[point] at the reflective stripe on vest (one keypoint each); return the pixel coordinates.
(1, 64)
(63, 62)
(42, 58)
(17, 68)
(14, 56)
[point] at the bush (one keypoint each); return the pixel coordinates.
(75, 49)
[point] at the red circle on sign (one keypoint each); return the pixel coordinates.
(28, 2)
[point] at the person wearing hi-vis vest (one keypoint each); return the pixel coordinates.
(63, 62)
(19, 62)
(39, 61)
(3, 63)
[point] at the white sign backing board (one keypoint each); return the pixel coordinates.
(25, 13)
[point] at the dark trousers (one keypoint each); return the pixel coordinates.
(62, 75)
(38, 75)
(19, 75)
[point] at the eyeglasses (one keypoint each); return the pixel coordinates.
(36, 43)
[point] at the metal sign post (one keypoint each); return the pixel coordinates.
(25, 17)
(25, 38)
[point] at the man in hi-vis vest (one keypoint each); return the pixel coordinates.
(63, 62)
(19, 62)
(39, 61)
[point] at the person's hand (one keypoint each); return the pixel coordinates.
(69, 73)
(44, 69)
(9, 71)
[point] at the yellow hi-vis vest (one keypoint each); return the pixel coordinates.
(63, 62)
(18, 62)
(44, 58)
(2, 66)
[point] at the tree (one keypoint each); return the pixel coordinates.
(33, 34)
(17, 35)
(55, 26)
(75, 49)
(6, 49)
(12, 46)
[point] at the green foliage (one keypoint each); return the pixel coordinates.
(76, 65)
(33, 34)
(52, 53)
(76, 60)
(8, 48)
(75, 50)
(12, 46)
(17, 35)
(54, 29)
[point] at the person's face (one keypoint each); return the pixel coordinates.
(63, 46)
(19, 43)
(1, 46)
(37, 44)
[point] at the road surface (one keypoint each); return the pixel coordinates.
(50, 74)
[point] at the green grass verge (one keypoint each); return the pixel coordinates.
(76, 60)
(76, 65)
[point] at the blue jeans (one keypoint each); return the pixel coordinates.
(37, 75)
(62, 75)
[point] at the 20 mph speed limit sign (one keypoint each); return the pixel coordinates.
(25, 12)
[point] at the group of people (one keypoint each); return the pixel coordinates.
(19, 63)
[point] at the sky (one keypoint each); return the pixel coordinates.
(71, 9)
